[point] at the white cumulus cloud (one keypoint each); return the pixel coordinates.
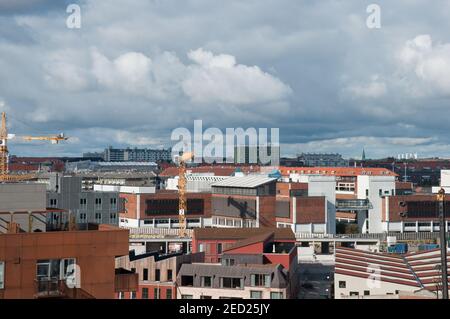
(374, 89)
(218, 78)
(428, 61)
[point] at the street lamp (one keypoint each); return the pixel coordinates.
(443, 239)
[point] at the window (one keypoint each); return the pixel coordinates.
(157, 293)
(200, 248)
(169, 274)
(367, 193)
(121, 295)
(206, 281)
(2, 275)
(133, 295)
(380, 192)
(276, 295)
(169, 294)
(219, 248)
(145, 274)
(98, 203)
(186, 297)
(53, 203)
(98, 216)
(83, 203)
(205, 297)
(354, 293)
(342, 284)
(260, 280)
(157, 275)
(227, 262)
(144, 293)
(366, 292)
(232, 283)
(255, 294)
(113, 202)
(187, 281)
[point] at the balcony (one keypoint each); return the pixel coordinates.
(353, 204)
(58, 289)
(126, 281)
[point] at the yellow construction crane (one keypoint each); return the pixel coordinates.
(182, 192)
(54, 139)
(5, 176)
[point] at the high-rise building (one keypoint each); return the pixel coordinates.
(246, 154)
(137, 155)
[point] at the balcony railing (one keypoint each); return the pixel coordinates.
(353, 204)
(57, 288)
(49, 288)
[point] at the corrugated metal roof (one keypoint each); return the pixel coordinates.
(126, 164)
(244, 182)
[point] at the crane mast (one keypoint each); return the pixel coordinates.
(3, 147)
(5, 175)
(182, 201)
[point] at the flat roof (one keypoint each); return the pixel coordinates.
(126, 164)
(244, 182)
(242, 233)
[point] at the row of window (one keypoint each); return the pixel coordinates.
(253, 295)
(145, 294)
(220, 221)
(157, 274)
(256, 280)
(343, 284)
(83, 203)
(83, 217)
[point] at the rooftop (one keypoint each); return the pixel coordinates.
(412, 269)
(337, 171)
(242, 233)
(244, 182)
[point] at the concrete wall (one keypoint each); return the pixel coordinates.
(197, 292)
(68, 194)
(22, 197)
(355, 284)
(373, 184)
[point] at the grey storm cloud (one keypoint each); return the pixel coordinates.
(134, 72)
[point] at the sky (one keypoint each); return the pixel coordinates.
(135, 71)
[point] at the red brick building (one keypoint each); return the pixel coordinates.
(214, 241)
(256, 263)
(35, 265)
(157, 273)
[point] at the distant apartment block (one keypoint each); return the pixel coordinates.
(137, 155)
(322, 160)
(122, 166)
(257, 155)
(88, 206)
